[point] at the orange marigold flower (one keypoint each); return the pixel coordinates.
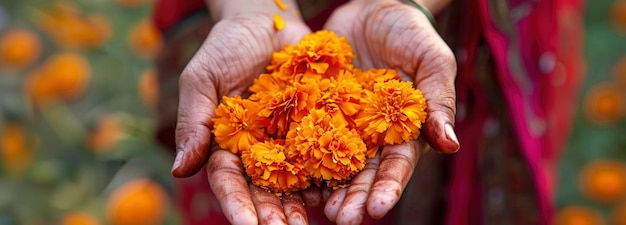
(71, 28)
(319, 53)
(367, 79)
(577, 215)
(618, 15)
(79, 218)
(237, 124)
(19, 48)
(107, 132)
(372, 149)
(64, 75)
(618, 214)
(267, 83)
(343, 96)
(604, 180)
(148, 88)
(288, 106)
(393, 113)
(268, 167)
(15, 149)
(137, 202)
(330, 150)
(145, 39)
(605, 103)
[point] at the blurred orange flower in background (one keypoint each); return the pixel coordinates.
(605, 103)
(148, 88)
(79, 218)
(144, 39)
(106, 134)
(578, 215)
(64, 75)
(19, 48)
(137, 202)
(618, 214)
(70, 28)
(618, 15)
(16, 152)
(604, 180)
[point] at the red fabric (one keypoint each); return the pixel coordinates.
(167, 13)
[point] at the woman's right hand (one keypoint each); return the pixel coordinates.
(235, 52)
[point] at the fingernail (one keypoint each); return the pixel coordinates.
(178, 161)
(451, 135)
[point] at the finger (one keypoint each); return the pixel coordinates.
(196, 107)
(440, 94)
(311, 196)
(334, 203)
(269, 208)
(396, 167)
(418, 51)
(226, 178)
(294, 209)
(353, 209)
(326, 192)
(435, 76)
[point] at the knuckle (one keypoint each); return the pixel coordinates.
(218, 166)
(446, 104)
(358, 188)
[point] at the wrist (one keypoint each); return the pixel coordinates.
(224, 9)
(433, 6)
(425, 11)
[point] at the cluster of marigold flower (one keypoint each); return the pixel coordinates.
(314, 118)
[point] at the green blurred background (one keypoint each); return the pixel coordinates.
(77, 109)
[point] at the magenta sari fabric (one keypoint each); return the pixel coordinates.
(536, 51)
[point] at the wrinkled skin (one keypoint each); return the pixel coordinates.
(390, 34)
(383, 34)
(235, 52)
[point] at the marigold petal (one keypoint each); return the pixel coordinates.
(279, 23)
(280, 4)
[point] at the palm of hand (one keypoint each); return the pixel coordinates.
(390, 34)
(249, 40)
(235, 52)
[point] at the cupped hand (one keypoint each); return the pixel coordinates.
(392, 34)
(237, 49)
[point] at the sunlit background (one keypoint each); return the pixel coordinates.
(77, 98)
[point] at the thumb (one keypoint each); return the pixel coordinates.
(434, 68)
(435, 77)
(198, 100)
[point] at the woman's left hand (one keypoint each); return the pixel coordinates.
(392, 34)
